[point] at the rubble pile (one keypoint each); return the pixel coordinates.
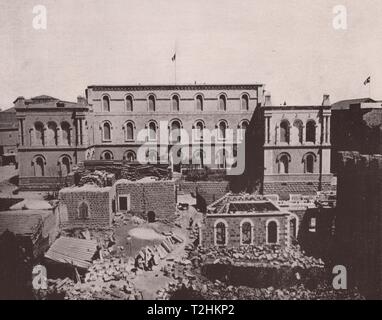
(258, 255)
(137, 172)
(98, 178)
(150, 256)
(219, 291)
(106, 279)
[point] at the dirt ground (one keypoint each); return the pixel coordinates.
(149, 282)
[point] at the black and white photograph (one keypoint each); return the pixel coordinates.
(190, 150)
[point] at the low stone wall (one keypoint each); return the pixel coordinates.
(45, 183)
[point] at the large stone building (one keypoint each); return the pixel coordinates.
(145, 123)
(285, 150)
(165, 118)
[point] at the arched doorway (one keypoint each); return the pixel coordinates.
(151, 216)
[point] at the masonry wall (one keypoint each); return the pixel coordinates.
(259, 229)
(157, 196)
(358, 235)
(99, 201)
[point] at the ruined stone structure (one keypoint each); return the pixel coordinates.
(358, 229)
(237, 220)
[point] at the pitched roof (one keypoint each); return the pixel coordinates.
(345, 104)
(77, 252)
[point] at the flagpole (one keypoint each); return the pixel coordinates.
(175, 59)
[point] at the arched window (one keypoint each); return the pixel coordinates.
(175, 131)
(246, 233)
(129, 127)
(64, 164)
(221, 233)
(175, 103)
(272, 232)
(283, 161)
(107, 155)
(222, 103)
(244, 102)
(106, 103)
(106, 131)
(151, 103)
(298, 129)
(39, 131)
(293, 225)
(243, 126)
(51, 134)
(130, 156)
(309, 160)
(198, 158)
(151, 156)
(152, 127)
(129, 103)
(284, 131)
(199, 127)
(311, 131)
(65, 129)
(222, 130)
(199, 103)
(39, 166)
(83, 211)
(220, 158)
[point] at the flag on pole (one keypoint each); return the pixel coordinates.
(367, 81)
(173, 57)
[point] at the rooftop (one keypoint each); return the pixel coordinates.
(199, 86)
(243, 204)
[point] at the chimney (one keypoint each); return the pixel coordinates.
(326, 100)
(81, 100)
(19, 102)
(268, 101)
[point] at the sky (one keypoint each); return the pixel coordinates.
(290, 46)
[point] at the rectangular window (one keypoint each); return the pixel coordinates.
(124, 203)
(313, 225)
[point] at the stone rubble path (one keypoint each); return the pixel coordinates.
(150, 282)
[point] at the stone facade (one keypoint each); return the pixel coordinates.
(124, 116)
(151, 200)
(234, 229)
(86, 207)
(114, 122)
(290, 149)
(53, 137)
